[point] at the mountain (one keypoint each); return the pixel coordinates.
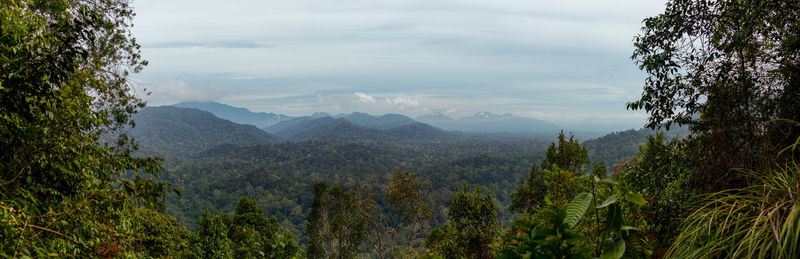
(169, 130)
(434, 116)
(486, 122)
(419, 132)
(340, 130)
(344, 129)
(386, 121)
(325, 128)
(236, 114)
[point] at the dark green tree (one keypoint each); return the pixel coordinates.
(726, 69)
(473, 216)
(252, 233)
(335, 229)
(64, 96)
(158, 235)
(212, 236)
(317, 224)
(406, 194)
(564, 161)
(567, 154)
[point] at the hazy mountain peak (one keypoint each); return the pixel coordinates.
(236, 114)
(320, 115)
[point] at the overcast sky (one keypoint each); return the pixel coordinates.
(564, 61)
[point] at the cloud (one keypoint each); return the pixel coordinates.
(364, 98)
(402, 102)
(180, 90)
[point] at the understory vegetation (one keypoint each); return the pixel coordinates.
(72, 184)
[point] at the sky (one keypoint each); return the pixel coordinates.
(566, 61)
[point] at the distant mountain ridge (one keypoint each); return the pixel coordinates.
(481, 122)
(181, 131)
(357, 127)
(237, 114)
(486, 122)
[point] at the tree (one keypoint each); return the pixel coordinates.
(559, 175)
(567, 154)
(252, 233)
(158, 235)
(335, 229)
(368, 209)
(63, 86)
(726, 69)
(406, 195)
(659, 173)
(473, 215)
(212, 236)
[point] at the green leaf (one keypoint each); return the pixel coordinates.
(635, 198)
(614, 218)
(608, 181)
(624, 228)
(610, 200)
(613, 249)
(577, 207)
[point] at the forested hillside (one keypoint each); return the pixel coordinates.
(616, 146)
(173, 131)
(236, 114)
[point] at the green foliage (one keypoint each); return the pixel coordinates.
(550, 233)
(212, 236)
(550, 237)
(760, 221)
(578, 207)
(473, 224)
(567, 155)
(247, 234)
(334, 229)
(725, 68)
(158, 235)
(556, 185)
(558, 177)
(63, 85)
(659, 174)
(280, 176)
(407, 196)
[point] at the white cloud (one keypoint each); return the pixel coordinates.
(402, 102)
(362, 97)
(180, 91)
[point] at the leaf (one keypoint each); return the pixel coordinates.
(577, 207)
(624, 228)
(612, 249)
(614, 218)
(635, 198)
(608, 181)
(610, 200)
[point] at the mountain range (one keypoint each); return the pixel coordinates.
(482, 122)
(170, 130)
(485, 122)
(237, 114)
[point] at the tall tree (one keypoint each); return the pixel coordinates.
(335, 228)
(63, 86)
(406, 194)
(474, 218)
(725, 68)
(566, 154)
(557, 174)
